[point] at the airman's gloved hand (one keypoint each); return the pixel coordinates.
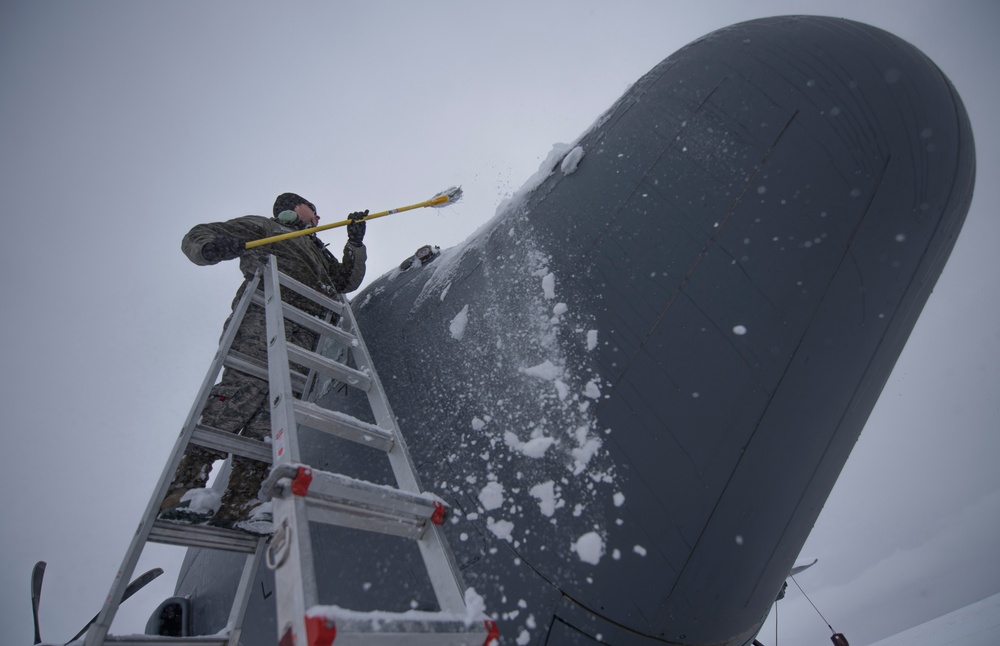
(356, 229)
(222, 248)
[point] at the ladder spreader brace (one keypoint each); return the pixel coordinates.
(302, 495)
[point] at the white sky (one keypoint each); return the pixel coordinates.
(123, 124)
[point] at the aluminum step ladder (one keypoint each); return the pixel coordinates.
(302, 495)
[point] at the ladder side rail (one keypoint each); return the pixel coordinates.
(290, 554)
(399, 456)
(243, 591)
(445, 576)
(99, 630)
(284, 440)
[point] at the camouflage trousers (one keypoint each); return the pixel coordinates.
(238, 403)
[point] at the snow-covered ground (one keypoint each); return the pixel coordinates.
(977, 624)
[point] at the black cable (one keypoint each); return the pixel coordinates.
(775, 623)
(811, 603)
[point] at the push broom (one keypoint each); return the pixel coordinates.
(444, 198)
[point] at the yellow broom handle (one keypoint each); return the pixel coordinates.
(434, 201)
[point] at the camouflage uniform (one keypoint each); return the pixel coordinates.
(239, 402)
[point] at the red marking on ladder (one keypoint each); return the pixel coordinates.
(300, 485)
(288, 639)
(439, 511)
(492, 633)
(320, 631)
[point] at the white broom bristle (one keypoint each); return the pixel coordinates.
(454, 194)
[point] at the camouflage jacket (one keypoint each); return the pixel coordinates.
(304, 258)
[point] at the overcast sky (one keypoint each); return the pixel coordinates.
(123, 124)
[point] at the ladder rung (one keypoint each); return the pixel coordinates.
(412, 628)
(213, 438)
(347, 515)
(330, 368)
(342, 425)
(340, 489)
(333, 305)
(315, 324)
(337, 499)
(215, 538)
(238, 361)
(140, 640)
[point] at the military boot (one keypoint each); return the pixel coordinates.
(187, 500)
(240, 508)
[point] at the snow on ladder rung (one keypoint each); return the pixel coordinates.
(413, 628)
(335, 487)
(330, 368)
(342, 425)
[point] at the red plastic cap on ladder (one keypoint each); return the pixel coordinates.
(320, 631)
(492, 633)
(304, 478)
(439, 513)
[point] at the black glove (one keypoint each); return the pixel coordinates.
(222, 248)
(356, 229)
